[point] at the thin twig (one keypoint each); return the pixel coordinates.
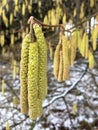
(61, 25)
(68, 112)
(66, 91)
(85, 20)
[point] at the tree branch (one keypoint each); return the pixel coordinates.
(61, 25)
(66, 91)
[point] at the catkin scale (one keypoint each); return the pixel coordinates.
(39, 107)
(42, 51)
(23, 74)
(33, 80)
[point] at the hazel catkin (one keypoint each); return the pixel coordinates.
(60, 72)
(91, 59)
(66, 61)
(24, 73)
(57, 60)
(94, 38)
(42, 54)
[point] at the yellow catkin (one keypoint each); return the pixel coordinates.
(26, 2)
(17, 8)
(33, 80)
(91, 60)
(75, 12)
(53, 17)
(64, 19)
(19, 35)
(57, 59)
(4, 2)
(0, 11)
(11, 18)
(23, 34)
(5, 19)
(23, 73)
(14, 69)
(46, 21)
(42, 47)
(31, 1)
(50, 51)
(82, 10)
(60, 73)
(29, 8)
(69, 50)
(66, 61)
(91, 3)
(39, 107)
(7, 126)
(15, 101)
(7, 7)
(16, 2)
(23, 9)
(12, 39)
(73, 49)
(79, 40)
(94, 38)
(2, 39)
(83, 45)
(74, 108)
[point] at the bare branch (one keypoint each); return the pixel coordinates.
(67, 91)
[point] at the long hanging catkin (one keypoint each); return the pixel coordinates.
(60, 72)
(23, 73)
(33, 80)
(57, 59)
(91, 60)
(73, 49)
(94, 38)
(42, 51)
(66, 61)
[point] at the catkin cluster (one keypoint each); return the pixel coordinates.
(61, 60)
(33, 77)
(65, 52)
(84, 47)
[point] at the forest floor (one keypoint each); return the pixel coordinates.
(70, 105)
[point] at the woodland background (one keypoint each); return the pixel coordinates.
(70, 105)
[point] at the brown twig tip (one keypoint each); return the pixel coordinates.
(30, 19)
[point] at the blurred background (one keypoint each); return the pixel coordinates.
(79, 110)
